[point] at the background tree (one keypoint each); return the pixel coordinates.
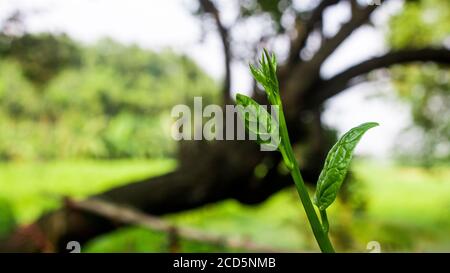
(212, 171)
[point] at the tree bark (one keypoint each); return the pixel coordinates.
(209, 7)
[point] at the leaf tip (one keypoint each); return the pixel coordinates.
(369, 125)
(240, 98)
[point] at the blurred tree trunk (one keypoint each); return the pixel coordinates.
(213, 171)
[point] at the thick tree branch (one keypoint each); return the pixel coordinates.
(305, 29)
(209, 7)
(328, 88)
(210, 178)
(309, 70)
(359, 17)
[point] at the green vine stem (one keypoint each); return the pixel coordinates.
(324, 217)
(318, 230)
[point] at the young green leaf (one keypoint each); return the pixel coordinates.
(336, 165)
(266, 75)
(257, 120)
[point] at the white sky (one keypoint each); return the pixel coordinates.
(160, 24)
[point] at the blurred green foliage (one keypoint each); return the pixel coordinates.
(7, 218)
(41, 56)
(113, 103)
(425, 88)
(274, 9)
(420, 23)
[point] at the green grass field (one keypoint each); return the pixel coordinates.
(403, 208)
(34, 187)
